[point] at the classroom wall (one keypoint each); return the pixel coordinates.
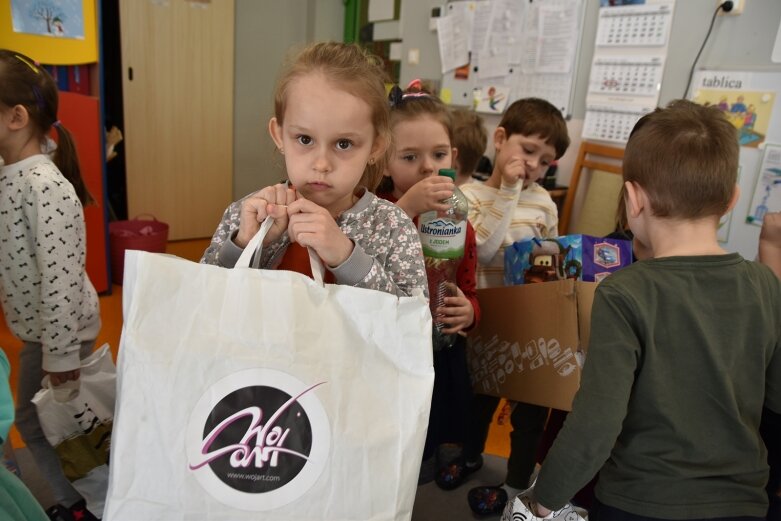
(742, 42)
(265, 31)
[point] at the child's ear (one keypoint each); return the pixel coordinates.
(500, 136)
(275, 129)
(453, 157)
(635, 198)
(733, 200)
(19, 117)
(379, 147)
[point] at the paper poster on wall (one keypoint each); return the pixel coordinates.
(530, 47)
(747, 99)
(492, 99)
(628, 63)
(725, 223)
(767, 193)
(76, 46)
(60, 18)
(748, 111)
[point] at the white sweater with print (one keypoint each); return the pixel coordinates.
(44, 289)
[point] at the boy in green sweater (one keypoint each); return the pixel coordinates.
(685, 347)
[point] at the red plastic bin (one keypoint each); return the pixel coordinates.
(135, 234)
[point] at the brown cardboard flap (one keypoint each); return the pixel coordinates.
(525, 346)
(585, 291)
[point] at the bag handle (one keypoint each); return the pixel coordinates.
(250, 257)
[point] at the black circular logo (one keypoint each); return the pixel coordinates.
(259, 438)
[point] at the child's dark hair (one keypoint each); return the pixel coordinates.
(469, 137)
(537, 117)
(685, 157)
(415, 102)
(24, 82)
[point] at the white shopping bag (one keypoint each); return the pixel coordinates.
(77, 419)
(519, 509)
(256, 394)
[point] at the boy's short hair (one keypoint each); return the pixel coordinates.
(537, 117)
(470, 138)
(685, 157)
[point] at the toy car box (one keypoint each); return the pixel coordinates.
(579, 257)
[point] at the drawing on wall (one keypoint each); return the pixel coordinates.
(725, 223)
(58, 18)
(493, 99)
(748, 111)
(767, 193)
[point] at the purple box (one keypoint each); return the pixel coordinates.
(580, 257)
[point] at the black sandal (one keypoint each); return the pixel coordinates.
(454, 474)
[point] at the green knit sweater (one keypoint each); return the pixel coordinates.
(684, 352)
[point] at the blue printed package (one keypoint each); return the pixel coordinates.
(580, 257)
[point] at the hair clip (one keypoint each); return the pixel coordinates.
(395, 96)
(415, 90)
(28, 63)
(415, 85)
(57, 123)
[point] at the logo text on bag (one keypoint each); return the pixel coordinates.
(258, 439)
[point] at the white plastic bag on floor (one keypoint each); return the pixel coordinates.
(256, 394)
(77, 419)
(519, 509)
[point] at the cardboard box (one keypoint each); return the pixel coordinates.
(531, 341)
(580, 257)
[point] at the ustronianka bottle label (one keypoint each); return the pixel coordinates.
(443, 239)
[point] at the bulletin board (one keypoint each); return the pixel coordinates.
(57, 48)
(516, 49)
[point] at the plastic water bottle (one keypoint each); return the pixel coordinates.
(442, 235)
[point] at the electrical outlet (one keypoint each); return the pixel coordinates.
(737, 7)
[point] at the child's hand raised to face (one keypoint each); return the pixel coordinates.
(313, 226)
(427, 195)
(270, 201)
(514, 171)
(457, 313)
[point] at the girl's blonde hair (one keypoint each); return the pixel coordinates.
(24, 82)
(356, 71)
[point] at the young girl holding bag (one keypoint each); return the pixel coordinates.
(48, 300)
(331, 124)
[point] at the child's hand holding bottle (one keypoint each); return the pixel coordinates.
(457, 314)
(427, 195)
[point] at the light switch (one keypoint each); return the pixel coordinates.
(413, 56)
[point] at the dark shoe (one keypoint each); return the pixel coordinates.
(487, 500)
(80, 513)
(59, 513)
(77, 512)
(454, 474)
